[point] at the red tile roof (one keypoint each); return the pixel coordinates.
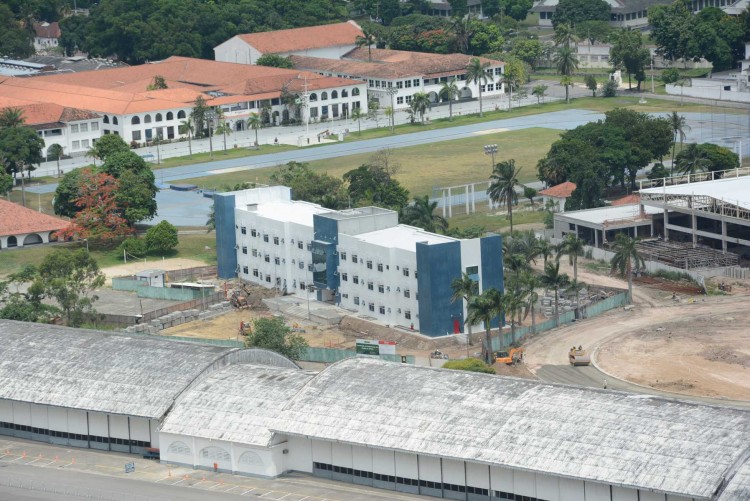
(627, 200)
(312, 37)
(563, 190)
(47, 30)
(17, 220)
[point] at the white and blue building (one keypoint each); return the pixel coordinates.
(359, 259)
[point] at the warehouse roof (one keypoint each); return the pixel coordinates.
(96, 370)
(598, 435)
(308, 37)
(730, 189)
(238, 403)
(612, 214)
(738, 488)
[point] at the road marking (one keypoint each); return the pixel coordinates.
(229, 170)
(250, 490)
(489, 131)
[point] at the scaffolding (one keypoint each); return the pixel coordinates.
(684, 255)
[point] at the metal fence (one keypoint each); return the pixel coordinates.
(189, 274)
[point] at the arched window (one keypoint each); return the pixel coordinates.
(147, 119)
(313, 97)
(106, 119)
(250, 458)
(114, 121)
(135, 120)
(180, 448)
(215, 454)
(181, 114)
(355, 91)
(159, 118)
(344, 93)
(324, 96)
(334, 95)
(170, 115)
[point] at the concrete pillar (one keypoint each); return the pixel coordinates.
(666, 223)
(694, 225)
(450, 205)
(468, 187)
(596, 238)
(444, 203)
(724, 237)
(473, 199)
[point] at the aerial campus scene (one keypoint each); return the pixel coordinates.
(375, 250)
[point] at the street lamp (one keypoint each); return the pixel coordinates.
(87, 244)
(491, 150)
(392, 91)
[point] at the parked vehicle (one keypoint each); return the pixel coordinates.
(579, 356)
(510, 357)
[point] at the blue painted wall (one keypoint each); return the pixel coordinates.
(226, 238)
(437, 266)
(327, 230)
(491, 249)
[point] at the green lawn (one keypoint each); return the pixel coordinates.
(496, 221)
(219, 154)
(447, 163)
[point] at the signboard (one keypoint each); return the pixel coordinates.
(129, 467)
(372, 347)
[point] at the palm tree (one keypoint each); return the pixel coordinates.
(545, 250)
(358, 116)
(692, 160)
(679, 126)
(566, 63)
(92, 153)
(502, 190)
(368, 39)
(186, 127)
(565, 35)
(420, 103)
(574, 287)
(483, 308)
(11, 117)
(515, 262)
(450, 91)
(390, 114)
(531, 283)
(55, 151)
(476, 71)
(223, 127)
(465, 288)
(553, 279)
(626, 258)
(422, 214)
(574, 247)
(513, 305)
(255, 122)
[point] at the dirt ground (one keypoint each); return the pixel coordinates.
(136, 266)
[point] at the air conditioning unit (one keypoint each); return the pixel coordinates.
(389, 310)
(398, 289)
(236, 247)
(335, 273)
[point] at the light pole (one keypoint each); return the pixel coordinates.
(392, 91)
(491, 150)
(652, 75)
(87, 244)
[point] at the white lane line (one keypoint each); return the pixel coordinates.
(249, 490)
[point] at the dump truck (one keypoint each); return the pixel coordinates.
(578, 356)
(510, 357)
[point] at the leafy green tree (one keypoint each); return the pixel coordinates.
(368, 39)
(528, 50)
(483, 309)
(626, 258)
(136, 198)
(357, 114)
(108, 145)
(706, 158)
(565, 35)
(211, 221)
(503, 186)
(670, 75)
(483, 38)
(593, 31)
(459, 8)
(133, 246)
(514, 75)
(162, 238)
(450, 91)
(15, 42)
(420, 103)
(539, 91)
(310, 186)
(530, 283)
(373, 185)
(200, 109)
(476, 72)
(158, 83)
(469, 232)
(628, 52)
(20, 150)
(422, 215)
(591, 84)
(657, 173)
(25, 305)
(66, 193)
(11, 117)
(186, 128)
(514, 302)
(70, 277)
(275, 61)
(679, 125)
(610, 89)
(6, 183)
(223, 127)
(55, 152)
(470, 365)
(273, 334)
(672, 26)
(530, 193)
(464, 288)
(573, 12)
(553, 279)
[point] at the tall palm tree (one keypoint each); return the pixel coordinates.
(422, 214)
(546, 250)
(692, 160)
(514, 302)
(464, 289)
(574, 247)
(504, 181)
(186, 127)
(222, 127)
(566, 62)
(450, 91)
(553, 279)
(11, 117)
(531, 283)
(368, 39)
(483, 308)
(565, 35)
(255, 122)
(626, 258)
(476, 71)
(55, 151)
(358, 116)
(679, 126)
(420, 103)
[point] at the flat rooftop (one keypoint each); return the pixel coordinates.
(291, 211)
(402, 237)
(735, 190)
(355, 213)
(600, 215)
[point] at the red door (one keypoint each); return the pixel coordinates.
(456, 326)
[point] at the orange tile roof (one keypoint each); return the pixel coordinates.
(563, 190)
(389, 64)
(47, 30)
(35, 114)
(296, 39)
(17, 220)
(627, 200)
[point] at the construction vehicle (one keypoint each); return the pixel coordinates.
(510, 357)
(238, 299)
(578, 356)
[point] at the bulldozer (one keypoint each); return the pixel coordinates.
(238, 300)
(578, 356)
(510, 357)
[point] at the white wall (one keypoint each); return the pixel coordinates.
(709, 93)
(235, 50)
(300, 457)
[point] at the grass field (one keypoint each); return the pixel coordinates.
(423, 167)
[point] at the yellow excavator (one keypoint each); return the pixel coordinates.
(510, 357)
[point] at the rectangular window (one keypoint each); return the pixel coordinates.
(74, 129)
(244, 249)
(344, 277)
(371, 306)
(490, 87)
(265, 238)
(343, 256)
(276, 240)
(371, 83)
(255, 272)
(381, 288)
(268, 278)
(277, 261)
(407, 83)
(369, 265)
(253, 232)
(416, 82)
(407, 314)
(244, 270)
(267, 258)
(399, 85)
(377, 83)
(356, 300)
(370, 286)
(406, 272)
(301, 265)
(255, 252)
(400, 100)
(84, 127)
(94, 126)
(472, 270)
(407, 293)
(243, 230)
(355, 279)
(76, 145)
(354, 258)
(408, 99)
(380, 267)
(302, 286)
(85, 143)
(300, 244)
(382, 310)
(136, 135)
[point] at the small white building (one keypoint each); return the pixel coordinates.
(329, 41)
(21, 226)
(46, 36)
(557, 195)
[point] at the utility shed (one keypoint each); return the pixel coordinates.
(471, 436)
(225, 419)
(89, 388)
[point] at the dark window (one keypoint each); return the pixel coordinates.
(244, 249)
(369, 265)
(301, 244)
(343, 256)
(243, 230)
(380, 266)
(406, 272)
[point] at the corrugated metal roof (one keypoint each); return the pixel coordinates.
(96, 370)
(738, 488)
(598, 435)
(238, 404)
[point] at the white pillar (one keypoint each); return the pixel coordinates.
(473, 199)
(489, 200)
(466, 202)
(444, 203)
(450, 204)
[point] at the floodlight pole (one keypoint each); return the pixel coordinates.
(491, 150)
(392, 91)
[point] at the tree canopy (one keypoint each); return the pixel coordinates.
(310, 186)
(275, 61)
(573, 12)
(273, 334)
(470, 365)
(161, 238)
(373, 185)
